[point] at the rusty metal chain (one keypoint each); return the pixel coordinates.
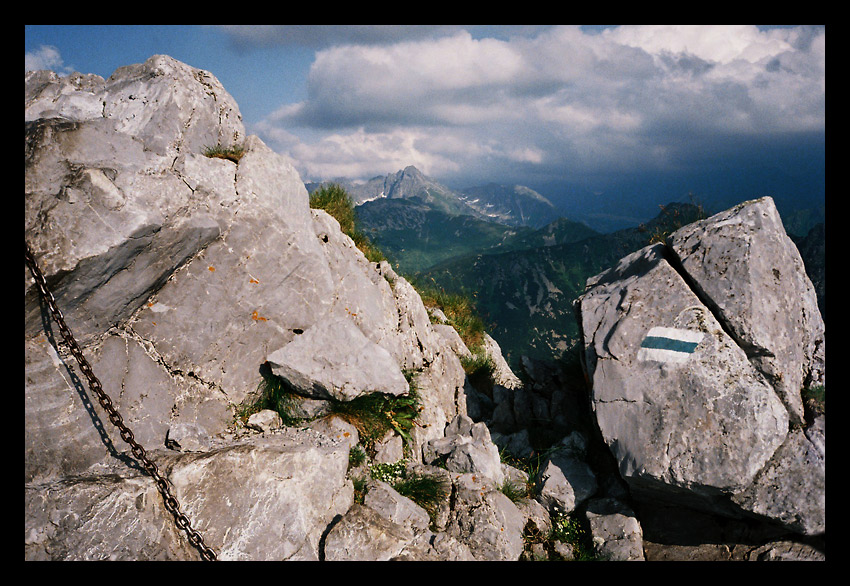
(171, 503)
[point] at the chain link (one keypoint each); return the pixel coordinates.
(171, 503)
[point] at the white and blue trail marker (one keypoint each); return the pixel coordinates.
(669, 345)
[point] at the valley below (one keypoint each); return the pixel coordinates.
(515, 255)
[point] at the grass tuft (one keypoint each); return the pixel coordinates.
(231, 153)
(428, 491)
(335, 200)
(518, 493)
(460, 311)
(375, 414)
(274, 394)
(372, 415)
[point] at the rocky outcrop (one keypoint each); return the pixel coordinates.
(188, 280)
(698, 351)
(183, 276)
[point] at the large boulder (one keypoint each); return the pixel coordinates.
(265, 498)
(744, 266)
(697, 353)
(182, 276)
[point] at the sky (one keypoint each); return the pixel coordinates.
(601, 119)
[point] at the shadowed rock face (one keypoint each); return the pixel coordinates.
(698, 351)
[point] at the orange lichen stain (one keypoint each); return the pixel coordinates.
(256, 317)
(254, 281)
(212, 269)
(346, 434)
(150, 303)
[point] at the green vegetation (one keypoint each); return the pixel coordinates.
(462, 315)
(372, 415)
(479, 370)
(516, 492)
(574, 530)
(428, 491)
(375, 414)
(530, 465)
(569, 529)
(274, 394)
(814, 398)
(416, 236)
(459, 310)
(335, 200)
(356, 456)
(231, 153)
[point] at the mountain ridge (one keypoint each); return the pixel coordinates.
(526, 294)
(513, 205)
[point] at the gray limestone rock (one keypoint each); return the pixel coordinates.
(436, 547)
(616, 532)
(399, 509)
(466, 448)
(266, 498)
(265, 420)
(389, 449)
(180, 274)
(502, 374)
(190, 437)
(363, 534)
(565, 482)
(337, 429)
(334, 360)
(801, 508)
(749, 271)
(491, 526)
(453, 340)
(687, 402)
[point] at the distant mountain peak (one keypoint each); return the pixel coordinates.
(515, 205)
(512, 205)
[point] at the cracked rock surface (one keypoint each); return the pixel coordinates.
(698, 351)
(180, 275)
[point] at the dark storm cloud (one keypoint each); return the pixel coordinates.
(557, 102)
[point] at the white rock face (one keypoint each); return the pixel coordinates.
(743, 261)
(697, 357)
(334, 360)
(181, 275)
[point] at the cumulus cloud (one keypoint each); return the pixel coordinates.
(561, 100)
(45, 57)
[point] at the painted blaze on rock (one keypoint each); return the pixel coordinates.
(683, 394)
(669, 344)
(672, 416)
